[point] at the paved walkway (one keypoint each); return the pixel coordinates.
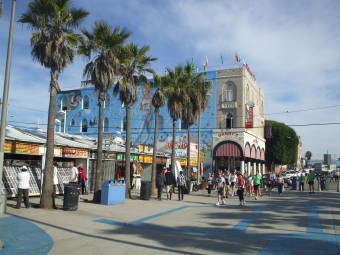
(294, 223)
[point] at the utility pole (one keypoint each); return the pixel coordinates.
(4, 109)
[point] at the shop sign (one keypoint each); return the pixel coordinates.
(133, 157)
(21, 148)
(161, 160)
(109, 155)
(249, 116)
(74, 153)
(183, 162)
(145, 158)
(58, 152)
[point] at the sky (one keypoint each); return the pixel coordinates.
(291, 46)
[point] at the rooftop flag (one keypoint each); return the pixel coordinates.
(206, 63)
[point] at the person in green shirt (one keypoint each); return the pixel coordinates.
(257, 183)
(310, 179)
(302, 182)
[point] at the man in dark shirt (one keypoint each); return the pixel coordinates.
(160, 182)
(169, 182)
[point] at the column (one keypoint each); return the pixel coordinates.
(263, 168)
(249, 167)
(242, 167)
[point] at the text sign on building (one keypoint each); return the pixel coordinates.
(74, 153)
(21, 148)
(249, 123)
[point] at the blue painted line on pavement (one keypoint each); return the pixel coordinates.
(244, 224)
(23, 237)
(158, 215)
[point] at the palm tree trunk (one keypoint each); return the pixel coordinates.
(188, 152)
(154, 154)
(99, 162)
(127, 153)
(173, 146)
(47, 188)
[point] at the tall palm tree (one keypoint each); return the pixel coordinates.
(197, 89)
(133, 72)
(308, 156)
(174, 83)
(104, 46)
(158, 101)
(54, 44)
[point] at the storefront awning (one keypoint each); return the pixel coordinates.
(228, 150)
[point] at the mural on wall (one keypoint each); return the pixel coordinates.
(145, 112)
(71, 100)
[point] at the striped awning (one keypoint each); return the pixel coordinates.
(262, 155)
(253, 152)
(247, 151)
(228, 150)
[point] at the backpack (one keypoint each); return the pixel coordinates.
(181, 180)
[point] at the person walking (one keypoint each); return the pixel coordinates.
(220, 180)
(271, 182)
(280, 183)
(82, 178)
(160, 182)
(240, 189)
(302, 182)
(169, 182)
(257, 184)
(74, 174)
(310, 180)
(182, 184)
(232, 182)
(23, 187)
(210, 183)
(55, 184)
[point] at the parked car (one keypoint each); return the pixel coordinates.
(289, 174)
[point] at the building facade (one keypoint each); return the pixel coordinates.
(231, 129)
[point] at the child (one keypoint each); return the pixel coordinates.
(240, 190)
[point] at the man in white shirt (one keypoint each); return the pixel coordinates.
(74, 174)
(23, 187)
(55, 183)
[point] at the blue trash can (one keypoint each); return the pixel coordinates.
(113, 192)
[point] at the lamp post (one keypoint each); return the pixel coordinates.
(4, 108)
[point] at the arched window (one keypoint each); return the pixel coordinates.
(64, 103)
(230, 121)
(86, 102)
(84, 126)
(62, 125)
(73, 123)
(106, 125)
(230, 93)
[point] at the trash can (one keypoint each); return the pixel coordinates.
(113, 192)
(71, 197)
(145, 190)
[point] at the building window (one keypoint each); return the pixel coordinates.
(106, 125)
(64, 103)
(230, 93)
(230, 121)
(84, 126)
(73, 123)
(62, 125)
(86, 102)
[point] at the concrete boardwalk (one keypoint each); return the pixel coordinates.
(294, 223)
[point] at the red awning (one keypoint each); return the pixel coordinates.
(258, 153)
(247, 152)
(228, 150)
(253, 152)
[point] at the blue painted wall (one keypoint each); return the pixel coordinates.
(142, 117)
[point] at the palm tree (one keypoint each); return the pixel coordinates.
(104, 47)
(197, 89)
(174, 83)
(308, 156)
(53, 45)
(158, 101)
(132, 70)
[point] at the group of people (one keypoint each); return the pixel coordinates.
(78, 177)
(165, 178)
